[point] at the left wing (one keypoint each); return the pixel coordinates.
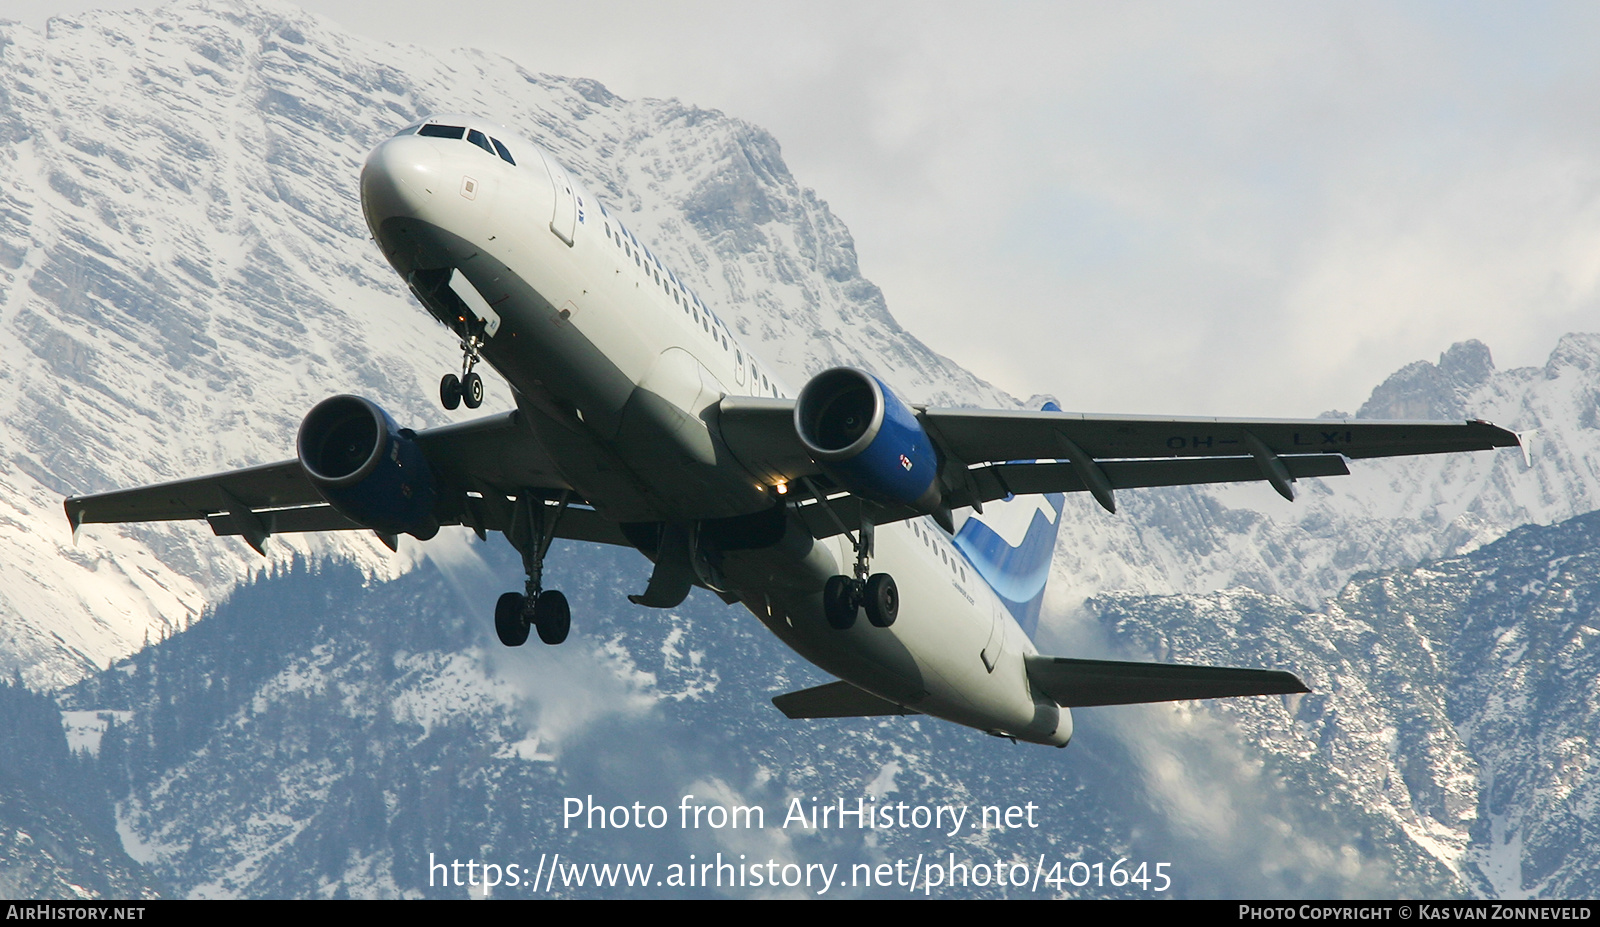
(988, 455)
(480, 466)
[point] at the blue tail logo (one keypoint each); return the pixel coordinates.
(1011, 546)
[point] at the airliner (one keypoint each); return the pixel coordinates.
(900, 547)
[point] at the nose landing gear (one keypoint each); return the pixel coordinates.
(466, 389)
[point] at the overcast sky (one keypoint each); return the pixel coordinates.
(1228, 209)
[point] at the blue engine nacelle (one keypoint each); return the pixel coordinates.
(367, 467)
(867, 440)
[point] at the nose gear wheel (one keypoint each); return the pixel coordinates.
(466, 389)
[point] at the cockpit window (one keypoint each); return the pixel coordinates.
(504, 154)
(438, 131)
(479, 139)
(408, 130)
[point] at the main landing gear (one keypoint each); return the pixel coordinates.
(533, 527)
(878, 596)
(549, 614)
(468, 388)
(874, 593)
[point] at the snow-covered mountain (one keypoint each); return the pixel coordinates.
(301, 741)
(1456, 699)
(184, 272)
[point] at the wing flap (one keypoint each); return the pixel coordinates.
(1086, 683)
(836, 700)
(976, 436)
(995, 482)
(577, 523)
(282, 521)
(1001, 480)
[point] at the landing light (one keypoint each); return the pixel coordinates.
(783, 487)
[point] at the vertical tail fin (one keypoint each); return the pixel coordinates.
(1011, 546)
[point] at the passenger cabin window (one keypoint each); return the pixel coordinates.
(437, 131)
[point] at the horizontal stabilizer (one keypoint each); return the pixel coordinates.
(837, 700)
(1084, 683)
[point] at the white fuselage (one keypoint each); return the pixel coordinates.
(618, 368)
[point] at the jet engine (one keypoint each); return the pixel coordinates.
(367, 467)
(867, 440)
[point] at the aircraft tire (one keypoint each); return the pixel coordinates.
(839, 602)
(552, 617)
(450, 391)
(882, 600)
(472, 391)
(509, 621)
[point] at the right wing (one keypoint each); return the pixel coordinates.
(480, 466)
(987, 455)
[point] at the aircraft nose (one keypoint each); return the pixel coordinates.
(400, 178)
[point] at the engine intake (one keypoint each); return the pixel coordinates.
(367, 467)
(867, 440)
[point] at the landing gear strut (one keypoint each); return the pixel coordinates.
(533, 527)
(874, 593)
(468, 388)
